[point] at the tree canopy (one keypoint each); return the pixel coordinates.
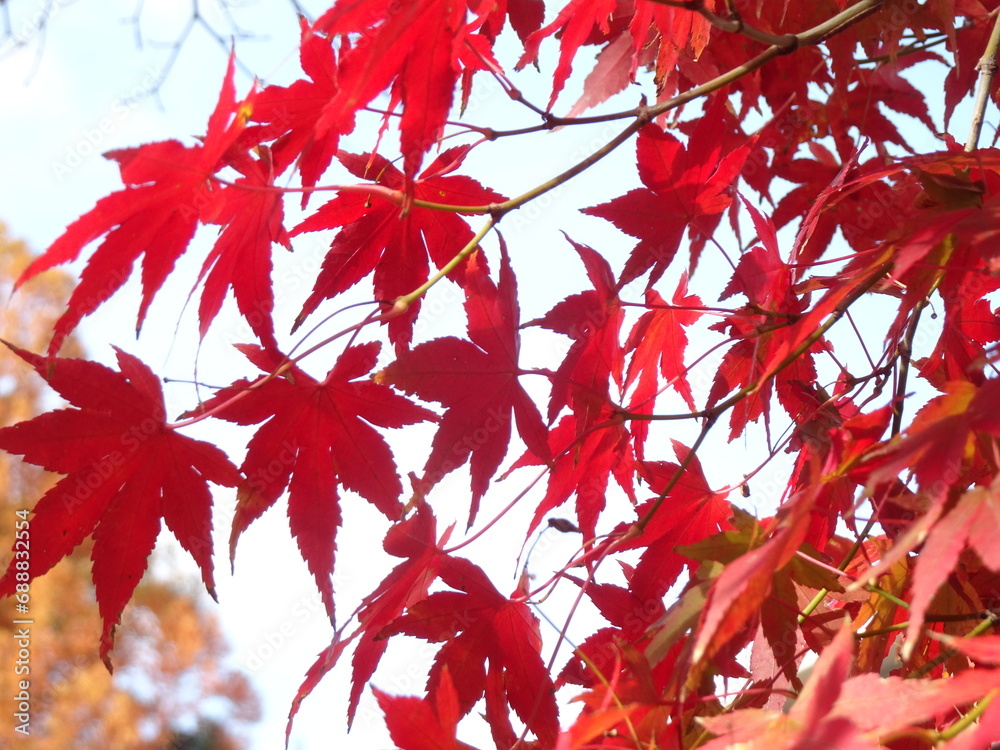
(770, 426)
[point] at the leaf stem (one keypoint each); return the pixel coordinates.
(503, 512)
(931, 40)
(820, 564)
(882, 631)
(887, 595)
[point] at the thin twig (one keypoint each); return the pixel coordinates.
(932, 40)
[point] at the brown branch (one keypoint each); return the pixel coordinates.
(987, 67)
(735, 25)
(643, 114)
(816, 35)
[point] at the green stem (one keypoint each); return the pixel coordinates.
(821, 594)
(970, 718)
(886, 595)
(882, 631)
(402, 303)
(945, 655)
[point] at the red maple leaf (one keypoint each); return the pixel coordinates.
(593, 319)
(414, 540)
(288, 114)
(678, 31)
(895, 704)
(525, 16)
(631, 616)
(251, 212)
(686, 187)
(659, 342)
(318, 435)
(622, 608)
(582, 465)
(477, 382)
(970, 523)
(575, 25)
(765, 331)
(415, 46)
(740, 590)
(614, 70)
(168, 187)
(938, 444)
(126, 469)
(395, 243)
(960, 354)
(857, 104)
(692, 511)
(961, 78)
(492, 649)
(863, 215)
(426, 723)
(808, 724)
(658, 37)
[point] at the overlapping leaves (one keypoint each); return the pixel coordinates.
(920, 235)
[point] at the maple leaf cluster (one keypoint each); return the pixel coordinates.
(813, 344)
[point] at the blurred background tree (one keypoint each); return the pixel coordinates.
(171, 687)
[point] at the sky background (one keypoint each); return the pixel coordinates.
(84, 86)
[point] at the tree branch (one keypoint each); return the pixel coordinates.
(987, 70)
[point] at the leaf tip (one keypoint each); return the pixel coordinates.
(108, 643)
